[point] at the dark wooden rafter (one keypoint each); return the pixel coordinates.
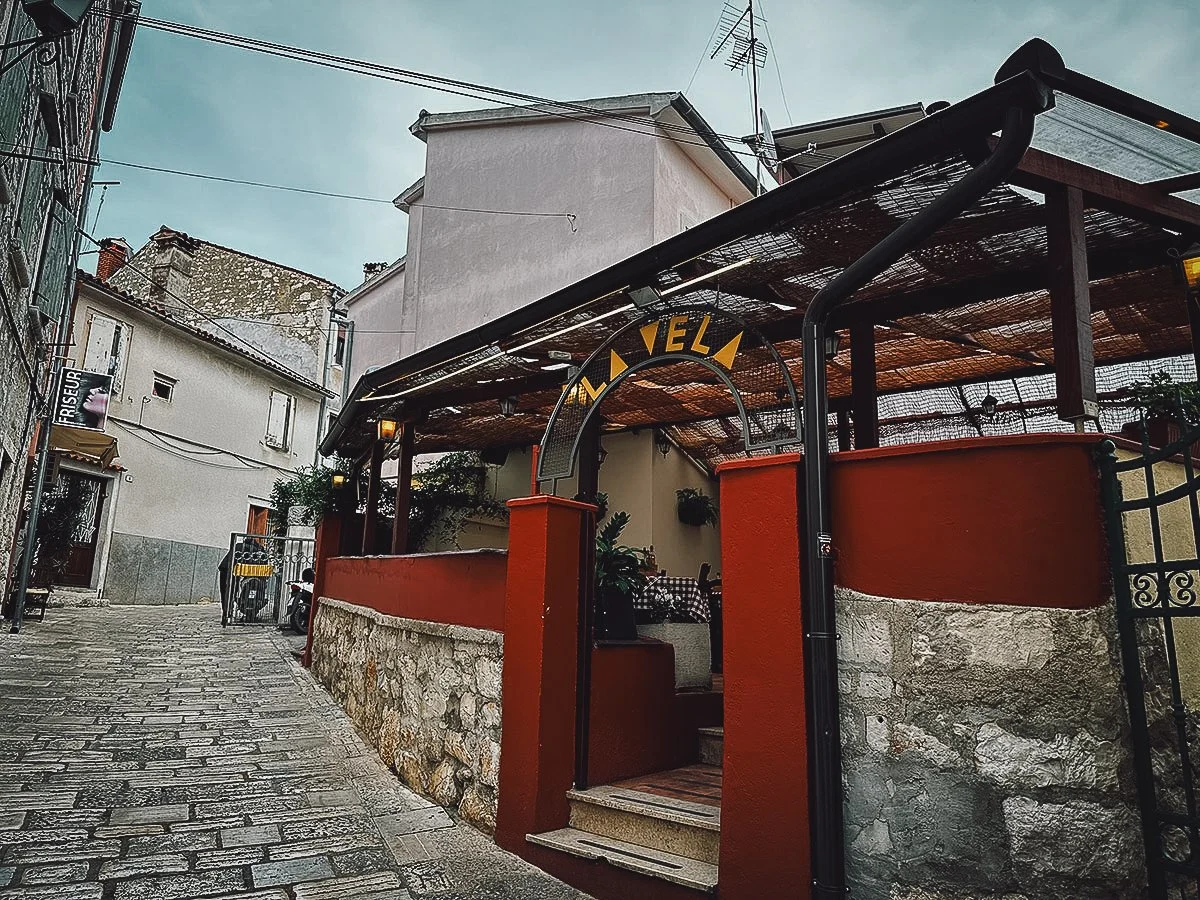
(864, 397)
(1070, 306)
(403, 488)
(1176, 183)
(1042, 172)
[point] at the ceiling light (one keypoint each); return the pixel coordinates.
(683, 285)
(644, 297)
(386, 429)
(508, 406)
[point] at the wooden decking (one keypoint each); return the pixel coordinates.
(698, 783)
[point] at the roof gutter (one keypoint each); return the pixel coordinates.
(820, 627)
(126, 24)
(683, 106)
(871, 164)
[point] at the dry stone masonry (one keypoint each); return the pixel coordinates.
(426, 695)
(985, 753)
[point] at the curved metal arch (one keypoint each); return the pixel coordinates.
(575, 386)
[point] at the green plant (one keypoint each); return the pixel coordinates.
(695, 507)
(601, 505)
(309, 488)
(447, 492)
(60, 518)
(618, 567)
(1160, 396)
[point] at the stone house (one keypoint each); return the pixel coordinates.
(207, 419)
(50, 118)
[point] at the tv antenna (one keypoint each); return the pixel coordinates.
(738, 30)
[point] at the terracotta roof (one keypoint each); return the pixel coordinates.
(160, 311)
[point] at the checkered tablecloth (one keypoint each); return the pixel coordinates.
(679, 596)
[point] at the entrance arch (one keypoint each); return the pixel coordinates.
(740, 357)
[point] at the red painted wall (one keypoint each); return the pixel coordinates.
(764, 804)
(1014, 520)
(465, 588)
(639, 724)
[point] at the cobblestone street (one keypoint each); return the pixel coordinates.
(145, 754)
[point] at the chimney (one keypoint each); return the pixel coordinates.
(370, 270)
(171, 259)
(114, 253)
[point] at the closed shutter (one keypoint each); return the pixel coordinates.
(14, 85)
(102, 332)
(51, 291)
(279, 420)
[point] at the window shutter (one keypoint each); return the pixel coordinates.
(102, 334)
(51, 288)
(278, 420)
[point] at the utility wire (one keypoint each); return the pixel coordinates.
(703, 53)
(471, 90)
(775, 59)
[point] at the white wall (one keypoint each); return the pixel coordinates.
(683, 195)
(376, 313)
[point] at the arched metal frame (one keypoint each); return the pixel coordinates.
(549, 469)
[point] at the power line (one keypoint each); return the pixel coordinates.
(703, 53)
(775, 59)
(415, 78)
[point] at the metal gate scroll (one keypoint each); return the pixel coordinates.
(1152, 509)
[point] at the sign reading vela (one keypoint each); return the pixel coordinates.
(82, 399)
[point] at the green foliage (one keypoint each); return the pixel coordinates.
(310, 488)
(1163, 397)
(618, 568)
(447, 492)
(695, 507)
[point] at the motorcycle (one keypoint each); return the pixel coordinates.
(300, 604)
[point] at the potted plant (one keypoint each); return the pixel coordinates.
(618, 579)
(1168, 409)
(695, 507)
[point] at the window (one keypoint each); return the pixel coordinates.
(105, 348)
(279, 420)
(257, 519)
(164, 387)
(330, 421)
(339, 347)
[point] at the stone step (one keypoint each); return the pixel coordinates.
(689, 873)
(712, 745)
(679, 827)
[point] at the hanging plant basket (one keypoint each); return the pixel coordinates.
(696, 508)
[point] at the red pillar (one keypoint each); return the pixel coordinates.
(764, 800)
(327, 545)
(537, 749)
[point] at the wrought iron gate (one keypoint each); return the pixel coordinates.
(1152, 506)
(254, 586)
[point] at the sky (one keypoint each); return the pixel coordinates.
(192, 105)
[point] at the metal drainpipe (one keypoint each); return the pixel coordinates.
(820, 639)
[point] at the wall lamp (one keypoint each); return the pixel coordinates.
(338, 480)
(662, 443)
(386, 429)
(1189, 262)
(988, 405)
(833, 343)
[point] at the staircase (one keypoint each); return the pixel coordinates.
(665, 826)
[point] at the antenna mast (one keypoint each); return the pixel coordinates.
(738, 28)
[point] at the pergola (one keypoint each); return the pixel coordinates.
(951, 251)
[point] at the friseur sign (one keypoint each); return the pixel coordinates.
(81, 400)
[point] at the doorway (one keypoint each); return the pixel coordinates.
(81, 550)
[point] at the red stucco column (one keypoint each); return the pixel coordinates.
(328, 544)
(764, 801)
(537, 747)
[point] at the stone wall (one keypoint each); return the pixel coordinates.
(153, 571)
(426, 695)
(985, 753)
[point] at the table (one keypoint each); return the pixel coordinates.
(678, 596)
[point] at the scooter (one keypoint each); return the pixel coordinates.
(300, 603)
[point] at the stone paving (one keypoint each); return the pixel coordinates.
(145, 754)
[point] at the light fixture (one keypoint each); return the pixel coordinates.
(1189, 261)
(662, 443)
(386, 429)
(644, 297)
(833, 343)
(601, 455)
(55, 18)
(988, 406)
(338, 480)
(508, 406)
(684, 285)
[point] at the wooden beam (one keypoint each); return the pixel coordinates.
(1193, 308)
(403, 489)
(371, 517)
(864, 399)
(1176, 183)
(844, 437)
(1042, 172)
(1070, 306)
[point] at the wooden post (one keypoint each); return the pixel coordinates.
(1070, 306)
(864, 404)
(1193, 307)
(403, 489)
(371, 516)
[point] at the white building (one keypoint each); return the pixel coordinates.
(518, 202)
(206, 424)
